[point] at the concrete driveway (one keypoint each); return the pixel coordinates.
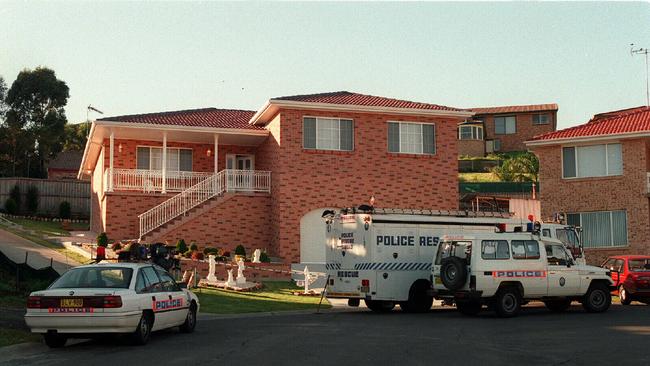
(440, 337)
(15, 247)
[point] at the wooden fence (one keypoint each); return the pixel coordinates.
(51, 194)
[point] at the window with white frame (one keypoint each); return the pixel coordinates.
(411, 138)
(505, 125)
(592, 161)
(601, 229)
(328, 134)
(150, 158)
(470, 132)
(541, 119)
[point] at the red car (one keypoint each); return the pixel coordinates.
(631, 274)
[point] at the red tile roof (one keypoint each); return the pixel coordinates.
(205, 117)
(610, 123)
(349, 98)
(515, 109)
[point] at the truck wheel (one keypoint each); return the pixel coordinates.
(558, 306)
(143, 331)
(380, 306)
(508, 302)
(469, 307)
(419, 301)
(597, 299)
(190, 320)
(453, 273)
(54, 340)
(624, 296)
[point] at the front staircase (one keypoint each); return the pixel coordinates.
(200, 198)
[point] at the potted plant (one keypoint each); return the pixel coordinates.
(240, 253)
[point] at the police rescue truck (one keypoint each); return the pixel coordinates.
(384, 256)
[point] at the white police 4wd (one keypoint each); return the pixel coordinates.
(504, 270)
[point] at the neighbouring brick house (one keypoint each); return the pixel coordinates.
(262, 178)
(597, 174)
(504, 129)
(65, 165)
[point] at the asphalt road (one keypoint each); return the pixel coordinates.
(442, 337)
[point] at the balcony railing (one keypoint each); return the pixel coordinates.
(151, 180)
(216, 184)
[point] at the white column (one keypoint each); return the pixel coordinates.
(110, 161)
(216, 153)
(164, 163)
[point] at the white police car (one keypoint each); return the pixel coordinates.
(132, 298)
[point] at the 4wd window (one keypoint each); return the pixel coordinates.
(460, 249)
(546, 232)
(495, 249)
(556, 255)
(525, 249)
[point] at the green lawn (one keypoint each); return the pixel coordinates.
(50, 228)
(9, 336)
(275, 296)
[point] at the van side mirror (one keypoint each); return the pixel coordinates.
(182, 285)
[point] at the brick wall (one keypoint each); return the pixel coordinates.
(525, 129)
(627, 192)
(122, 210)
(243, 219)
(471, 147)
(308, 179)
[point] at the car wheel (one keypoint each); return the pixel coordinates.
(54, 340)
(508, 303)
(143, 331)
(624, 296)
(190, 320)
(558, 306)
(380, 306)
(469, 307)
(419, 301)
(597, 299)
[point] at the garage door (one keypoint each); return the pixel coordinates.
(312, 237)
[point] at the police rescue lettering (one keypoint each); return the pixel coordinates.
(169, 304)
(407, 240)
(347, 238)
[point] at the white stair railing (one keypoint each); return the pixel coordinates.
(228, 180)
(182, 202)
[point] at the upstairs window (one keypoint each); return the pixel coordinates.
(150, 158)
(592, 161)
(470, 132)
(505, 125)
(541, 119)
(328, 134)
(601, 229)
(411, 138)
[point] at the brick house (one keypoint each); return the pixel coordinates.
(65, 165)
(262, 178)
(504, 129)
(597, 173)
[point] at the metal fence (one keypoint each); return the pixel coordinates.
(51, 194)
(498, 187)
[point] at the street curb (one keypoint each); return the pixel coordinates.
(332, 310)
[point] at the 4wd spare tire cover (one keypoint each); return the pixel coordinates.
(453, 273)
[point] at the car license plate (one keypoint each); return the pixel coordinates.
(438, 281)
(365, 289)
(72, 303)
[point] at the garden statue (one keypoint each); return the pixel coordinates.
(307, 275)
(240, 272)
(256, 256)
(231, 281)
(213, 267)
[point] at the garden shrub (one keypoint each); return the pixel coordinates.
(211, 251)
(65, 211)
(33, 199)
(240, 250)
(264, 258)
(194, 247)
(197, 255)
(102, 240)
(15, 195)
(11, 206)
(181, 247)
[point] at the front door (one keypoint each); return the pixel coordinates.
(240, 175)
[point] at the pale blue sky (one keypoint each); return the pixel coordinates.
(148, 57)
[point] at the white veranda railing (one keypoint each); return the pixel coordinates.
(151, 180)
(228, 180)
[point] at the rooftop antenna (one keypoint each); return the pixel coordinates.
(643, 51)
(89, 109)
